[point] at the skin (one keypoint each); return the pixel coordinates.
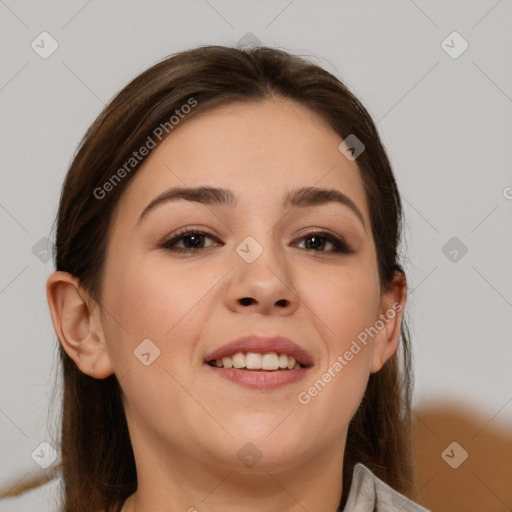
(186, 423)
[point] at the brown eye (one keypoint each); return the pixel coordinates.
(188, 241)
(316, 242)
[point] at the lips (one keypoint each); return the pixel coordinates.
(262, 345)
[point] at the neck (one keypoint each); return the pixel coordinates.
(314, 484)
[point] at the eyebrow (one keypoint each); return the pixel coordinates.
(301, 197)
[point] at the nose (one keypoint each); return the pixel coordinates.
(263, 286)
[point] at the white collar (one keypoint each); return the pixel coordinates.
(368, 494)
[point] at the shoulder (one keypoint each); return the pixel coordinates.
(369, 493)
(45, 498)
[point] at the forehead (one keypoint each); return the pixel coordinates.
(260, 150)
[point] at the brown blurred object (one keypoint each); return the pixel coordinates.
(483, 481)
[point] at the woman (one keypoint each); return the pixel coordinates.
(228, 296)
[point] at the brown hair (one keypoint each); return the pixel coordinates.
(98, 466)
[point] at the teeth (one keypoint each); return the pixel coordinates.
(239, 360)
(269, 362)
(254, 361)
(227, 362)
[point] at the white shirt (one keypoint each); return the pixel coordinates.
(367, 493)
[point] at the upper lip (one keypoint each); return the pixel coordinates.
(262, 345)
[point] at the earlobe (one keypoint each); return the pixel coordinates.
(78, 325)
(385, 343)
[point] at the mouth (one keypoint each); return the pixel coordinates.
(259, 362)
(270, 361)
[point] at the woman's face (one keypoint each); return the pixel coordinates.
(257, 266)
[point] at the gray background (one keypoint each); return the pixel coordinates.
(446, 123)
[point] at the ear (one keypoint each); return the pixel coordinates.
(77, 322)
(392, 304)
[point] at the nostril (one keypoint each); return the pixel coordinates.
(246, 301)
(282, 303)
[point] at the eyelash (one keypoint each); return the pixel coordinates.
(340, 246)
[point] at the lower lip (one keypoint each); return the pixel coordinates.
(260, 379)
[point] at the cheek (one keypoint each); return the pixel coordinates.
(162, 303)
(338, 384)
(149, 298)
(343, 304)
